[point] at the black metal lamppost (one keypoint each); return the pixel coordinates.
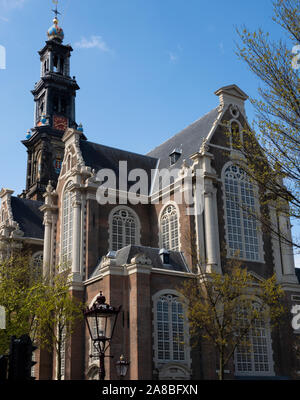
(101, 320)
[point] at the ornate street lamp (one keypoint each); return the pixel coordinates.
(122, 366)
(101, 320)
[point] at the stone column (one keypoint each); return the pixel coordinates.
(140, 318)
(286, 249)
(49, 210)
(275, 244)
(202, 160)
(76, 245)
(211, 231)
(47, 244)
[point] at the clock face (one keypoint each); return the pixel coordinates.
(60, 123)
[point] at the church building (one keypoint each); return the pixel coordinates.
(139, 253)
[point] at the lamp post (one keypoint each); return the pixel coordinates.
(122, 366)
(101, 320)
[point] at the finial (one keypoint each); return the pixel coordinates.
(56, 32)
(56, 12)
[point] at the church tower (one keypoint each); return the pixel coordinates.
(54, 97)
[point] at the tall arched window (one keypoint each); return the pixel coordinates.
(37, 264)
(171, 329)
(169, 228)
(255, 356)
(241, 215)
(124, 228)
(67, 225)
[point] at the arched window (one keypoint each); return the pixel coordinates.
(170, 326)
(37, 264)
(241, 215)
(169, 228)
(67, 225)
(124, 228)
(255, 356)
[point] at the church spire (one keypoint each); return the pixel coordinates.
(54, 97)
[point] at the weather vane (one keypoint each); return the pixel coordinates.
(55, 11)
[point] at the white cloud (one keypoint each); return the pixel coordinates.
(95, 42)
(11, 3)
(173, 57)
(4, 19)
(221, 47)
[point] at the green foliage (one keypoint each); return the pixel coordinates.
(222, 309)
(21, 291)
(272, 152)
(45, 310)
(57, 315)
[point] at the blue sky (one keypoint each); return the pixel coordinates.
(146, 69)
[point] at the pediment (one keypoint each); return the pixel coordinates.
(232, 90)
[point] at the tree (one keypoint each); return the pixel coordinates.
(272, 153)
(21, 293)
(224, 309)
(57, 316)
(41, 308)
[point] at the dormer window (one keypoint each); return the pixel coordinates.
(174, 156)
(165, 256)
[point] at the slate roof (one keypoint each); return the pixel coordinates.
(189, 140)
(98, 156)
(27, 214)
(124, 256)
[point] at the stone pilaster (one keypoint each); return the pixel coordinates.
(140, 318)
(288, 264)
(202, 161)
(49, 209)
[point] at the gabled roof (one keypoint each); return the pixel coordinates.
(27, 214)
(232, 90)
(189, 141)
(125, 255)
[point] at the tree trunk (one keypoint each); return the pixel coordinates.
(221, 366)
(58, 374)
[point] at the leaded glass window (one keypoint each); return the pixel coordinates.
(241, 215)
(253, 356)
(124, 229)
(169, 229)
(170, 329)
